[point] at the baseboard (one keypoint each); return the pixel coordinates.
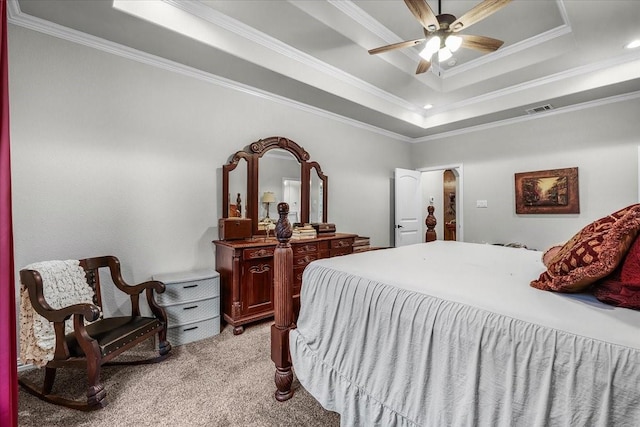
(22, 367)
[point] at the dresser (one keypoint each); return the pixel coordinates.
(246, 273)
(192, 302)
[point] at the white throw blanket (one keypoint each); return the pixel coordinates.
(64, 284)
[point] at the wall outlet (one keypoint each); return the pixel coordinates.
(481, 203)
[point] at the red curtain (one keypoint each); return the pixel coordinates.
(8, 353)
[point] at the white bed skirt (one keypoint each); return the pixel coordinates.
(384, 355)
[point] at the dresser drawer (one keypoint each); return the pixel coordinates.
(341, 251)
(297, 275)
(302, 261)
(257, 253)
(195, 331)
(341, 243)
(180, 314)
(304, 249)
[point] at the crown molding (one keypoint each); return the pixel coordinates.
(198, 9)
(562, 110)
(540, 82)
(372, 25)
(17, 17)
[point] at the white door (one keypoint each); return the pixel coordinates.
(408, 202)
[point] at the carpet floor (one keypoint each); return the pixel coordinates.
(225, 380)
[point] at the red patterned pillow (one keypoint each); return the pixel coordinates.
(622, 287)
(593, 253)
(550, 254)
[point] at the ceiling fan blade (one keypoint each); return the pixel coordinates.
(423, 13)
(481, 43)
(423, 66)
(400, 45)
(478, 13)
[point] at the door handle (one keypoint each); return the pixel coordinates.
(399, 226)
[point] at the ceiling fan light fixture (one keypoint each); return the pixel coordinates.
(444, 54)
(634, 44)
(431, 47)
(453, 42)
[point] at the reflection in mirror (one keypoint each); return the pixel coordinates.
(275, 166)
(238, 190)
(291, 195)
(315, 198)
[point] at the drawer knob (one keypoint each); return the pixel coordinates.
(189, 286)
(190, 329)
(190, 308)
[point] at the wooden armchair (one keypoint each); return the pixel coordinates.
(99, 341)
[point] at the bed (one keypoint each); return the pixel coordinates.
(451, 333)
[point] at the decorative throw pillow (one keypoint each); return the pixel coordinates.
(591, 254)
(550, 254)
(622, 287)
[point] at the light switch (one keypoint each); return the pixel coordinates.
(481, 203)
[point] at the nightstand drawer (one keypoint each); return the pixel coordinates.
(194, 311)
(195, 331)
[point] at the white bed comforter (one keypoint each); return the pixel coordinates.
(451, 334)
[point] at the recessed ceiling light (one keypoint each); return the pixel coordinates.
(427, 106)
(633, 44)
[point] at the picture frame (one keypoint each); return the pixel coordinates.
(553, 191)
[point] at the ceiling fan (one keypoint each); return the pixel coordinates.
(440, 32)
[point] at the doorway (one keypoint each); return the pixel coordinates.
(442, 186)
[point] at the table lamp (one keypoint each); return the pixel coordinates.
(267, 198)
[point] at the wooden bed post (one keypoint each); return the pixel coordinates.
(430, 222)
(282, 305)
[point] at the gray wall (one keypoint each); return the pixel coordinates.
(114, 156)
(602, 141)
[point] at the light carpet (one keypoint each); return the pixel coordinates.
(225, 380)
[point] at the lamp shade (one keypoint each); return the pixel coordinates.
(268, 197)
(444, 54)
(453, 42)
(431, 47)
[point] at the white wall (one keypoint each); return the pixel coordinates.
(601, 141)
(113, 156)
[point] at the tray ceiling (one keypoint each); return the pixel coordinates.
(565, 53)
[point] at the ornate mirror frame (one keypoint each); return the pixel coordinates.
(252, 154)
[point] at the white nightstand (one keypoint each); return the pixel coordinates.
(192, 303)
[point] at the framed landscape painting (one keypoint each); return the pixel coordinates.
(552, 191)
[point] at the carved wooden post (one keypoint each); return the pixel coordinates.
(282, 305)
(430, 222)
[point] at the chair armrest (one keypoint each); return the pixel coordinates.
(116, 276)
(90, 312)
(33, 281)
(153, 285)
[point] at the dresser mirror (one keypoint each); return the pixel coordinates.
(237, 193)
(316, 196)
(279, 174)
(270, 171)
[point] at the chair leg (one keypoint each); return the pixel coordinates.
(49, 377)
(165, 346)
(95, 391)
